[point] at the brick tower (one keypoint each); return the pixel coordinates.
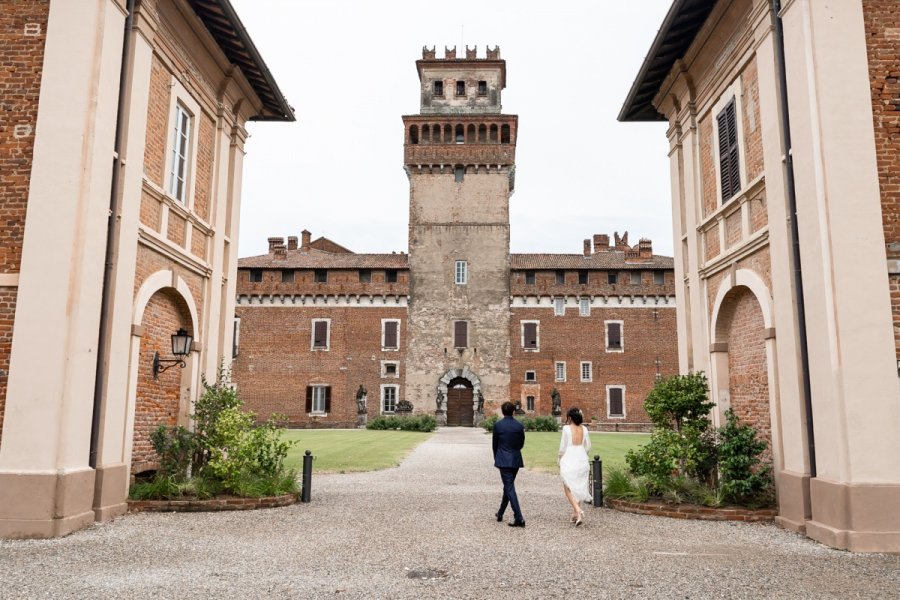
(459, 154)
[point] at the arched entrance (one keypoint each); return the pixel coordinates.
(460, 400)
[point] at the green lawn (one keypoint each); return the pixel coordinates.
(542, 448)
(345, 450)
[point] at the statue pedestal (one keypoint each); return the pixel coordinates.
(478, 419)
(362, 419)
(441, 417)
(558, 419)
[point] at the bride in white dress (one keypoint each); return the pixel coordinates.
(573, 462)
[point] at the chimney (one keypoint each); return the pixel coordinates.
(645, 247)
(306, 239)
(292, 242)
(274, 242)
(280, 252)
(601, 242)
(587, 247)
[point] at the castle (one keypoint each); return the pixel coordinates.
(458, 325)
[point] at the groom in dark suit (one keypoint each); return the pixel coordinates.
(509, 438)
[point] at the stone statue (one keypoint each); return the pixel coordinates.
(439, 401)
(480, 402)
(557, 402)
(361, 395)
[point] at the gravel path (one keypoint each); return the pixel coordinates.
(427, 530)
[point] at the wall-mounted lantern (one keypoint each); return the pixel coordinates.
(181, 345)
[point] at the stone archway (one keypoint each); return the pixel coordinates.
(460, 409)
(455, 381)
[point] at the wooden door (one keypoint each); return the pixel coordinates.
(459, 404)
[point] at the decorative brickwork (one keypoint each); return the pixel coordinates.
(213, 505)
(151, 210)
(157, 123)
(206, 148)
(158, 401)
(691, 511)
(713, 248)
(150, 261)
(23, 27)
(7, 317)
(732, 229)
(759, 212)
(708, 187)
(883, 43)
(176, 229)
(753, 152)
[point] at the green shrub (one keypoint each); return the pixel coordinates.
(744, 479)
(175, 448)
(617, 484)
(161, 487)
(488, 423)
(540, 423)
(423, 423)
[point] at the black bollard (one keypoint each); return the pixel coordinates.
(598, 481)
(307, 476)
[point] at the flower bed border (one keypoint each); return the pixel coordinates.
(211, 505)
(693, 511)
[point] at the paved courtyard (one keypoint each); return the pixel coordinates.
(427, 530)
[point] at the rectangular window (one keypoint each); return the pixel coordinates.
(390, 334)
(582, 277)
(460, 334)
(320, 336)
(438, 88)
(388, 398)
(659, 277)
(529, 403)
(318, 399)
(729, 168)
(462, 272)
(390, 276)
(255, 275)
(365, 275)
(584, 307)
(529, 277)
(459, 174)
(180, 153)
(560, 278)
(615, 401)
(560, 371)
(460, 88)
(482, 88)
(390, 369)
(559, 306)
(287, 276)
(587, 371)
(612, 277)
(321, 275)
(530, 335)
(530, 376)
(613, 336)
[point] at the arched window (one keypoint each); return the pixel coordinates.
(435, 134)
(414, 134)
(470, 134)
(482, 133)
(460, 134)
(426, 134)
(504, 134)
(448, 134)
(494, 133)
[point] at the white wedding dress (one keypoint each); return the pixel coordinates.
(573, 463)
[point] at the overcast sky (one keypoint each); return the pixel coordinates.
(348, 68)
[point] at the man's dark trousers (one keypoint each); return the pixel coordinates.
(508, 440)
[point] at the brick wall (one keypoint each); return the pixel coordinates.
(23, 26)
(597, 283)
(573, 339)
(748, 384)
(275, 362)
(882, 22)
(206, 147)
(752, 150)
(157, 400)
(708, 188)
(340, 281)
(149, 262)
(759, 262)
(157, 122)
(7, 317)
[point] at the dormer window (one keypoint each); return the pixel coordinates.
(460, 88)
(482, 88)
(438, 88)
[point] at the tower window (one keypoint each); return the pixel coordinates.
(582, 277)
(560, 277)
(255, 275)
(414, 134)
(390, 276)
(529, 277)
(460, 334)
(365, 275)
(529, 403)
(459, 174)
(460, 134)
(530, 376)
(321, 275)
(612, 277)
(504, 134)
(462, 272)
(659, 277)
(287, 276)
(482, 88)
(460, 88)
(438, 88)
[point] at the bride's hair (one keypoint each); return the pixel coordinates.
(575, 415)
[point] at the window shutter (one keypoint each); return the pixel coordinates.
(461, 334)
(729, 167)
(390, 334)
(614, 335)
(320, 335)
(309, 398)
(615, 401)
(530, 332)
(328, 399)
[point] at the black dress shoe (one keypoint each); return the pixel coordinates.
(517, 524)
(499, 517)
